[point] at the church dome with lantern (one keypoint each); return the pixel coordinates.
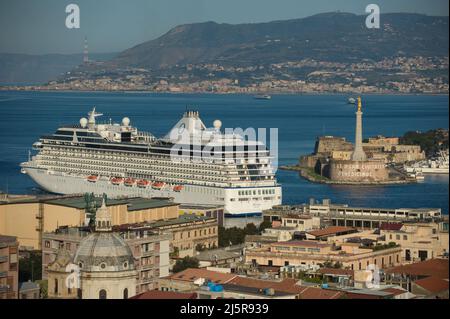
(104, 250)
(105, 261)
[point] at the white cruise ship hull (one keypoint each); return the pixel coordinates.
(235, 205)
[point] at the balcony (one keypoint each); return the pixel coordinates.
(3, 274)
(147, 266)
(3, 259)
(148, 253)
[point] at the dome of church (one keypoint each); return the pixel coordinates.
(104, 252)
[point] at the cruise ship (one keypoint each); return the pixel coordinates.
(121, 161)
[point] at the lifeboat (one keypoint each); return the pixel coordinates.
(129, 181)
(177, 188)
(158, 185)
(92, 178)
(143, 183)
(116, 180)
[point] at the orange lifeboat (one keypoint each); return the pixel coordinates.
(129, 181)
(116, 180)
(177, 188)
(143, 183)
(92, 178)
(158, 185)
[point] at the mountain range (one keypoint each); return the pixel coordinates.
(327, 37)
(334, 37)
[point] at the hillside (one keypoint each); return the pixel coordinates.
(24, 68)
(326, 37)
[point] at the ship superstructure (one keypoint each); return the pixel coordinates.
(192, 164)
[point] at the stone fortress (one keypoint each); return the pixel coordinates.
(342, 162)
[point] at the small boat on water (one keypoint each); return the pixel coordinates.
(262, 97)
(116, 180)
(142, 183)
(158, 185)
(129, 181)
(351, 100)
(92, 178)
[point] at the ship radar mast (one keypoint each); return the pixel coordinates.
(92, 116)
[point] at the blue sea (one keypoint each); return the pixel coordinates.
(299, 120)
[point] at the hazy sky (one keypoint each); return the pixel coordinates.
(38, 26)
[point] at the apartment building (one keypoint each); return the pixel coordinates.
(9, 267)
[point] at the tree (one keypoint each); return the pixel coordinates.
(43, 284)
(265, 224)
(185, 263)
(250, 229)
(30, 267)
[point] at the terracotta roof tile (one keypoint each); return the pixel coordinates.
(433, 284)
(156, 294)
(331, 231)
(432, 267)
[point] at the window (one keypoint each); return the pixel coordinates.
(405, 237)
(125, 293)
(55, 289)
(407, 255)
(47, 244)
(102, 294)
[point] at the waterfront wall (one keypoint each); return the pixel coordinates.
(358, 171)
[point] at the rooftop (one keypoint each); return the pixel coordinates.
(7, 239)
(28, 285)
(78, 202)
(433, 284)
(332, 230)
(182, 219)
(217, 254)
(295, 216)
(156, 294)
(198, 206)
(336, 272)
(391, 226)
(133, 204)
(432, 267)
(301, 243)
(192, 274)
